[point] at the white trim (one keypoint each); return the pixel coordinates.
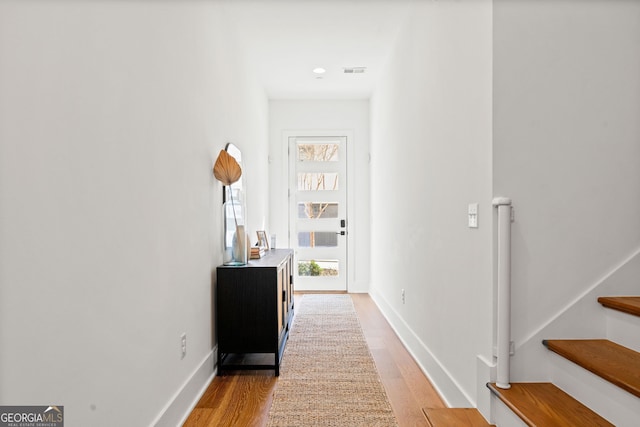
(179, 407)
(576, 300)
(444, 383)
(485, 372)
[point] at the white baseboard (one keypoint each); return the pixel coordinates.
(440, 378)
(176, 412)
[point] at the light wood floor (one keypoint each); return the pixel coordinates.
(243, 398)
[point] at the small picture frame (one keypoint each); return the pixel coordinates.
(263, 241)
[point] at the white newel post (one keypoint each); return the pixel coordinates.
(503, 333)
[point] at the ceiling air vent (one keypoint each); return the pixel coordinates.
(354, 70)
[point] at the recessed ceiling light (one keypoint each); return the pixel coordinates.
(319, 70)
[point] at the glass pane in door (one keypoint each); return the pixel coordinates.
(318, 152)
(326, 267)
(317, 210)
(317, 181)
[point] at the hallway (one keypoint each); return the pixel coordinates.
(243, 398)
(112, 114)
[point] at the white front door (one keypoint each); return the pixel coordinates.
(318, 212)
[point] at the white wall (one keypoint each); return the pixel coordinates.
(111, 116)
(566, 146)
(431, 157)
(322, 116)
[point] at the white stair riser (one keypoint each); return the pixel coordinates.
(623, 329)
(503, 416)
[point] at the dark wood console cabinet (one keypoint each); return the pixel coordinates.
(254, 306)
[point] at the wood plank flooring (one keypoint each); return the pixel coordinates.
(243, 398)
(468, 417)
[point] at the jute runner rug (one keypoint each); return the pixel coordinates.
(328, 377)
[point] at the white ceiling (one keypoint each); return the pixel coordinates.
(286, 39)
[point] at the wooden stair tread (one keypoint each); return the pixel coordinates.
(630, 305)
(613, 362)
(446, 417)
(544, 404)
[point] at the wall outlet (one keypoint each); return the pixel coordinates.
(403, 296)
(183, 345)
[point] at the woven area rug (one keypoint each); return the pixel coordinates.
(327, 376)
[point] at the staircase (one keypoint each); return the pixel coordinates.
(545, 404)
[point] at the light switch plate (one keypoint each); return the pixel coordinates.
(473, 215)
